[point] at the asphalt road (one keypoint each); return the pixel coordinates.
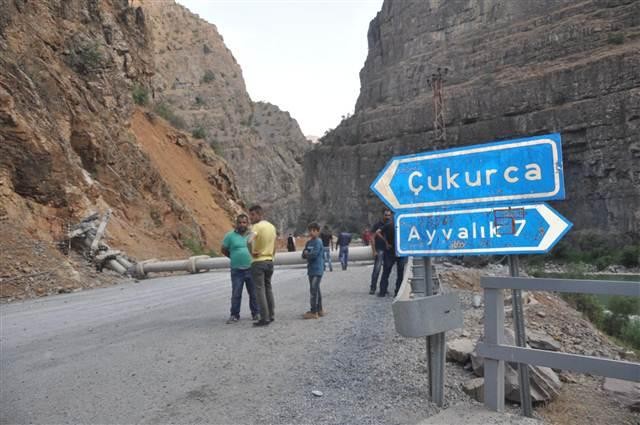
(159, 351)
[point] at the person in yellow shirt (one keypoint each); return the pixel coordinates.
(262, 246)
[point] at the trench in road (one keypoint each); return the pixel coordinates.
(159, 351)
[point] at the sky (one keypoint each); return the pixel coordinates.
(304, 56)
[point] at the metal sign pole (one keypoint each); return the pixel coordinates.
(435, 347)
(518, 324)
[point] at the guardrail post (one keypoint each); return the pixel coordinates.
(436, 348)
(494, 335)
(521, 340)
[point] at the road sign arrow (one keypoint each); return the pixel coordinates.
(527, 169)
(480, 231)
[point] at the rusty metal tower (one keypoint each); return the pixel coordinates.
(436, 82)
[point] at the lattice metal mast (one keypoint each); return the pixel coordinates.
(436, 82)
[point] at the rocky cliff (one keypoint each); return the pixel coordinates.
(199, 84)
(515, 69)
(72, 142)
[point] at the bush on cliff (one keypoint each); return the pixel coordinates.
(140, 95)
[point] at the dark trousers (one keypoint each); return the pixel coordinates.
(315, 294)
(377, 266)
(261, 272)
(239, 279)
(389, 261)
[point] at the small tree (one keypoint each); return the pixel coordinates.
(630, 256)
(208, 76)
(199, 133)
(86, 58)
(615, 38)
(140, 95)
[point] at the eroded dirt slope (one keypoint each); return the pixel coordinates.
(72, 143)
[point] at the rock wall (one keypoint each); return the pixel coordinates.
(68, 70)
(515, 69)
(200, 83)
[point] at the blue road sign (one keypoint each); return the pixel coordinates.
(525, 229)
(522, 170)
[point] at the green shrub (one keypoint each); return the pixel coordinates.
(630, 256)
(208, 76)
(199, 133)
(615, 38)
(196, 248)
(588, 305)
(199, 100)
(165, 111)
(620, 309)
(140, 95)
(613, 324)
(624, 306)
(86, 58)
(603, 262)
(215, 145)
(631, 333)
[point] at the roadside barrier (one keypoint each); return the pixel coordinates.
(496, 353)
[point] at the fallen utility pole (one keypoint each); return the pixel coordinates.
(204, 262)
(89, 236)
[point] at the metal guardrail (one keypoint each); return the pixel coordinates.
(496, 353)
(423, 309)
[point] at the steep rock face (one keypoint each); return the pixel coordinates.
(285, 148)
(515, 69)
(67, 72)
(199, 81)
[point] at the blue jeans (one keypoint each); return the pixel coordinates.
(377, 266)
(327, 258)
(343, 254)
(314, 292)
(240, 278)
(389, 261)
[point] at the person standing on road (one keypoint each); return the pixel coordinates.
(378, 246)
(388, 232)
(327, 243)
(366, 236)
(344, 239)
(234, 246)
(262, 245)
(291, 243)
(314, 254)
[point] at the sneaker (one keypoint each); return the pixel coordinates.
(232, 319)
(322, 313)
(255, 317)
(372, 291)
(380, 294)
(310, 315)
(261, 323)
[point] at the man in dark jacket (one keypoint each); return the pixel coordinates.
(378, 246)
(344, 239)
(388, 233)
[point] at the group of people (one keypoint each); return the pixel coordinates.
(342, 244)
(251, 252)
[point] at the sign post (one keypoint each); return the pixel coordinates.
(476, 200)
(521, 339)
